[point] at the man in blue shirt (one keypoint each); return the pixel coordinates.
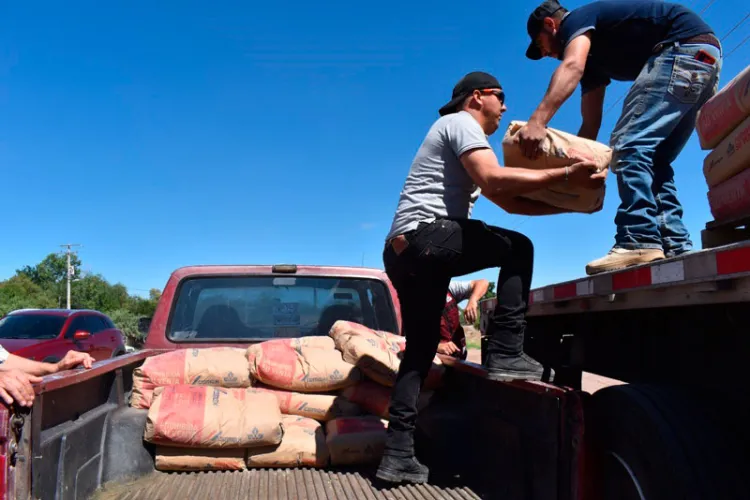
(674, 60)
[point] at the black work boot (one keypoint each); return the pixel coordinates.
(506, 360)
(402, 469)
(521, 366)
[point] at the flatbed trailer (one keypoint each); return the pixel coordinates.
(676, 332)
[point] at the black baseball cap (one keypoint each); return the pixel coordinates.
(535, 24)
(476, 80)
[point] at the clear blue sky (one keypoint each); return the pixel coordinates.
(161, 134)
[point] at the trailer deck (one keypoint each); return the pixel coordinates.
(710, 276)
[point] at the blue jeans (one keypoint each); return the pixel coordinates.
(658, 118)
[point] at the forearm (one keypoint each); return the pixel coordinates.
(564, 81)
(480, 288)
(523, 206)
(28, 366)
(509, 182)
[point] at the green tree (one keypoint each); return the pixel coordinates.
(44, 286)
(95, 292)
(20, 292)
(53, 269)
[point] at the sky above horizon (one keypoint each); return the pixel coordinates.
(167, 134)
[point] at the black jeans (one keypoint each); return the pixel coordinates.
(421, 274)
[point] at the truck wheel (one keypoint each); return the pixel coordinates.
(653, 442)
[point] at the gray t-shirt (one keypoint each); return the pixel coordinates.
(461, 290)
(437, 184)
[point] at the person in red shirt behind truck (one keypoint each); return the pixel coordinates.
(452, 335)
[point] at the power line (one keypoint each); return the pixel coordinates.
(735, 26)
(707, 6)
(743, 42)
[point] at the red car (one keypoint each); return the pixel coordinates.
(48, 334)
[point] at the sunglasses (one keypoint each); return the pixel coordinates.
(497, 93)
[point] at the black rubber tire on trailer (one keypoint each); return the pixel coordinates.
(653, 442)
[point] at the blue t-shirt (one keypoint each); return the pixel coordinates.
(624, 34)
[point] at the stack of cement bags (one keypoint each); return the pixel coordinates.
(724, 126)
(559, 149)
(307, 401)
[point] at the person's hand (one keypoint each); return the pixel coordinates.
(73, 359)
(470, 313)
(586, 175)
(447, 348)
(529, 138)
(15, 385)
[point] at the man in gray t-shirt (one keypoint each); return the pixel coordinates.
(433, 239)
(437, 184)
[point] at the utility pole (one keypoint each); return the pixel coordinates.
(69, 269)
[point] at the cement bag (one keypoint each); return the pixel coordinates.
(731, 198)
(376, 398)
(321, 407)
(356, 440)
(559, 149)
(212, 417)
(303, 445)
(379, 363)
(342, 329)
(724, 111)
(730, 157)
(373, 356)
(296, 365)
(217, 366)
(194, 459)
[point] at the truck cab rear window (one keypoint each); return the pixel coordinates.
(264, 307)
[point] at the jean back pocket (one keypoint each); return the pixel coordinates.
(690, 79)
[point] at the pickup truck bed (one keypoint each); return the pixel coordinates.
(278, 484)
(480, 439)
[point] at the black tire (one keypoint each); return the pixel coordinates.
(653, 442)
(50, 359)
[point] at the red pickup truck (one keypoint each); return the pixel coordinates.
(482, 439)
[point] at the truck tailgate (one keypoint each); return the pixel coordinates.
(274, 484)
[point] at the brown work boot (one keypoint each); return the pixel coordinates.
(619, 258)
